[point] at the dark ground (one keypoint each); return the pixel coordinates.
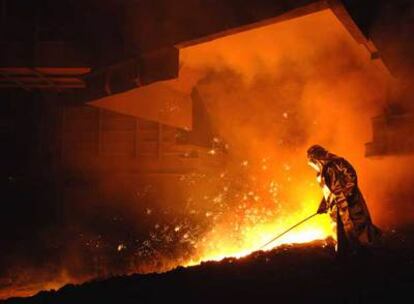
(289, 274)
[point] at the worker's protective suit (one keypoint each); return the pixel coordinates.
(343, 201)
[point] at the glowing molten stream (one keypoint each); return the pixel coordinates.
(222, 242)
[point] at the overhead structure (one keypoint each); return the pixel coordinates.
(119, 55)
(392, 135)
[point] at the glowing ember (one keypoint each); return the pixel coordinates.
(220, 244)
(224, 251)
(269, 100)
(251, 208)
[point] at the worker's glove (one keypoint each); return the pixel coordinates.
(323, 207)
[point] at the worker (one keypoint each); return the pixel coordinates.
(343, 200)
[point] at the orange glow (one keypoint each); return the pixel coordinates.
(232, 236)
(219, 246)
(272, 92)
(21, 287)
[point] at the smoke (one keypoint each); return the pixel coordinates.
(270, 93)
(274, 91)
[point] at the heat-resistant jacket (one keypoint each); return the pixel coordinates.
(343, 198)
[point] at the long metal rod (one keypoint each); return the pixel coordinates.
(286, 231)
